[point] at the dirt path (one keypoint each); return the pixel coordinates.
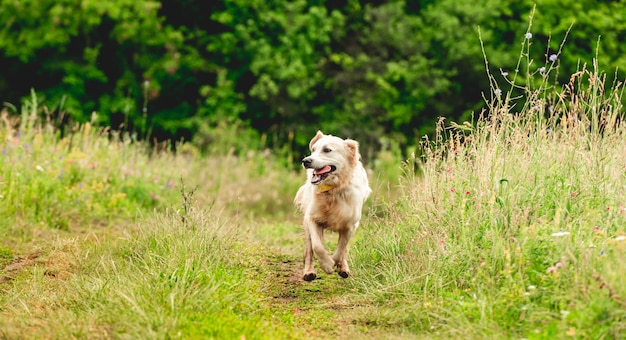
(323, 308)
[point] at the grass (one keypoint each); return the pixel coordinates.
(515, 229)
(508, 226)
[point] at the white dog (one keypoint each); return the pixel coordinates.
(332, 198)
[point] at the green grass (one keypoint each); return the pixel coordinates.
(508, 226)
(515, 229)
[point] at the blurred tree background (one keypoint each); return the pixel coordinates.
(377, 71)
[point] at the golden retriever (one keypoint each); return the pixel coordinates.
(331, 198)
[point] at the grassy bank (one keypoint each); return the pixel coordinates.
(516, 227)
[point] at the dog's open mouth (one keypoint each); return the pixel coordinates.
(321, 173)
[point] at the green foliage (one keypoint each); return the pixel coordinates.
(388, 69)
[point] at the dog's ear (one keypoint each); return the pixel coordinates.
(353, 151)
(318, 135)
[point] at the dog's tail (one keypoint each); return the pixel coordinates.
(297, 201)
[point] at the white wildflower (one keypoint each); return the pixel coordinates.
(560, 233)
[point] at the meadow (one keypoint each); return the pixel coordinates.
(509, 226)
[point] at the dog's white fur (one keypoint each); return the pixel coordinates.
(332, 198)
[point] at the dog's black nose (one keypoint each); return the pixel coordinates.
(307, 162)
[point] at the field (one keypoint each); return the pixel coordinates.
(509, 226)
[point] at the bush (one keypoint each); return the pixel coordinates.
(359, 69)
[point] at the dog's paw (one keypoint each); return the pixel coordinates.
(342, 269)
(309, 277)
(329, 268)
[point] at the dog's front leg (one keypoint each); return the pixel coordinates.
(316, 233)
(309, 271)
(340, 257)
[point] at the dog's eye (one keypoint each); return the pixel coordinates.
(327, 150)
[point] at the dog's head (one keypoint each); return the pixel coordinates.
(332, 160)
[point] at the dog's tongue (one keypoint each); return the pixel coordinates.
(317, 174)
(322, 171)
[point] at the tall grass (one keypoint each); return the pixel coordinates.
(92, 175)
(516, 228)
(104, 236)
(54, 181)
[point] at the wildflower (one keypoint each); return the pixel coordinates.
(504, 74)
(170, 184)
(452, 190)
(552, 57)
(596, 228)
(602, 252)
(528, 35)
(531, 287)
(39, 168)
(468, 192)
(497, 92)
(620, 238)
(558, 265)
(552, 269)
(542, 69)
(560, 233)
